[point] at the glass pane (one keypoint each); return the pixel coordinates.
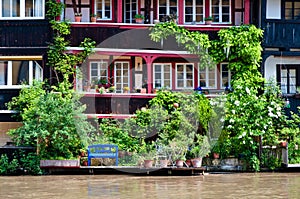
(157, 68)
(215, 2)
(29, 8)
(189, 83)
(188, 3)
(180, 83)
(225, 2)
(3, 72)
(283, 73)
(162, 2)
(20, 72)
(173, 2)
(199, 2)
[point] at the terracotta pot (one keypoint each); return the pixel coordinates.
(85, 163)
(139, 21)
(208, 22)
(216, 155)
(148, 163)
(78, 18)
(188, 162)
(179, 163)
(163, 163)
(93, 19)
(283, 144)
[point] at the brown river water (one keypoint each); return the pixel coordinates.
(237, 185)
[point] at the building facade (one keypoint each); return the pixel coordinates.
(125, 56)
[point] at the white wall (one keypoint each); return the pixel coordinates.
(271, 62)
(273, 9)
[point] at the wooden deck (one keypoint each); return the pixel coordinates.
(129, 170)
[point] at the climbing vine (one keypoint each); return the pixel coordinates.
(254, 108)
(53, 119)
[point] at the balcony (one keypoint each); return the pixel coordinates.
(17, 36)
(126, 35)
(281, 34)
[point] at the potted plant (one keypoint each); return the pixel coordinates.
(208, 20)
(84, 161)
(126, 89)
(139, 18)
(78, 16)
(112, 89)
(200, 149)
(93, 18)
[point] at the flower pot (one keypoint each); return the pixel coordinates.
(163, 163)
(216, 155)
(78, 18)
(208, 22)
(93, 19)
(148, 163)
(197, 162)
(179, 163)
(188, 163)
(283, 144)
(139, 20)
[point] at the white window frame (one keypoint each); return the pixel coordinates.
(220, 12)
(167, 9)
(194, 12)
(221, 76)
(9, 76)
(119, 89)
(101, 66)
(132, 10)
(207, 69)
(184, 76)
(162, 72)
(101, 13)
(38, 8)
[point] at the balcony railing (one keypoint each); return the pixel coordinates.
(281, 34)
(129, 36)
(25, 34)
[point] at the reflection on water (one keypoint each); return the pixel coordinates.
(253, 185)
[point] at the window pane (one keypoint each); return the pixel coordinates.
(20, 72)
(3, 72)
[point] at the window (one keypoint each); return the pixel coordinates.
(104, 9)
(288, 78)
(185, 76)
(22, 9)
(162, 75)
(292, 9)
(207, 77)
(130, 9)
(194, 11)
(220, 11)
(167, 7)
(226, 75)
(121, 76)
(16, 73)
(98, 71)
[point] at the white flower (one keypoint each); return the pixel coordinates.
(279, 114)
(233, 111)
(222, 120)
(244, 134)
(231, 120)
(229, 126)
(237, 103)
(247, 90)
(244, 142)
